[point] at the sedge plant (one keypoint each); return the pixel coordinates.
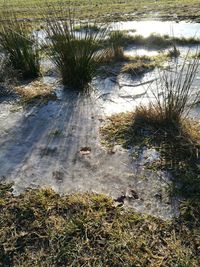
(174, 92)
(20, 47)
(76, 54)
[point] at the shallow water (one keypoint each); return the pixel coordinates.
(40, 145)
(32, 155)
(171, 28)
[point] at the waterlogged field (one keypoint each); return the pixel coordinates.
(113, 10)
(100, 134)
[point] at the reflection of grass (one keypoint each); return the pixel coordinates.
(122, 38)
(40, 228)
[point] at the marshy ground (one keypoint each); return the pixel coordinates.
(115, 10)
(86, 172)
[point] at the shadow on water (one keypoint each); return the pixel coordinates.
(33, 129)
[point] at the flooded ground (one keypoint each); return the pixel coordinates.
(171, 28)
(57, 144)
(41, 146)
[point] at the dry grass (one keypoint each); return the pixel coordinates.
(139, 65)
(40, 228)
(36, 90)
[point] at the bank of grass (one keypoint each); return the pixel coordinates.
(165, 126)
(40, 228)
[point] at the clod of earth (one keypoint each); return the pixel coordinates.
(85, 151)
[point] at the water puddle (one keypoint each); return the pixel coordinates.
(171, 28)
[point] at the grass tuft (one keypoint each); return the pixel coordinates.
(76, 54)
(139, 65)
(20, 47)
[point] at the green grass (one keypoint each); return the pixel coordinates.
(76, 55)
(19, 47)
(116, 9)
(40, 228)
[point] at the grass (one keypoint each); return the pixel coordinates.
(76, 55)
(116, 39)
(20, 47)
(174, 94)
(35, 91)
(133, 65)
(140, 64)
(40, 228)
(113, 10)
(164, 125)
(85, 26)
(174, 52)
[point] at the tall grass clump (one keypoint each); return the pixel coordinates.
(174, 93)
(76, 54)
(20, 46)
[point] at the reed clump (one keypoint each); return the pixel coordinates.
(76, 54)
(20, 47)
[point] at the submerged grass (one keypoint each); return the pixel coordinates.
(19, 46)
(40, 228)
